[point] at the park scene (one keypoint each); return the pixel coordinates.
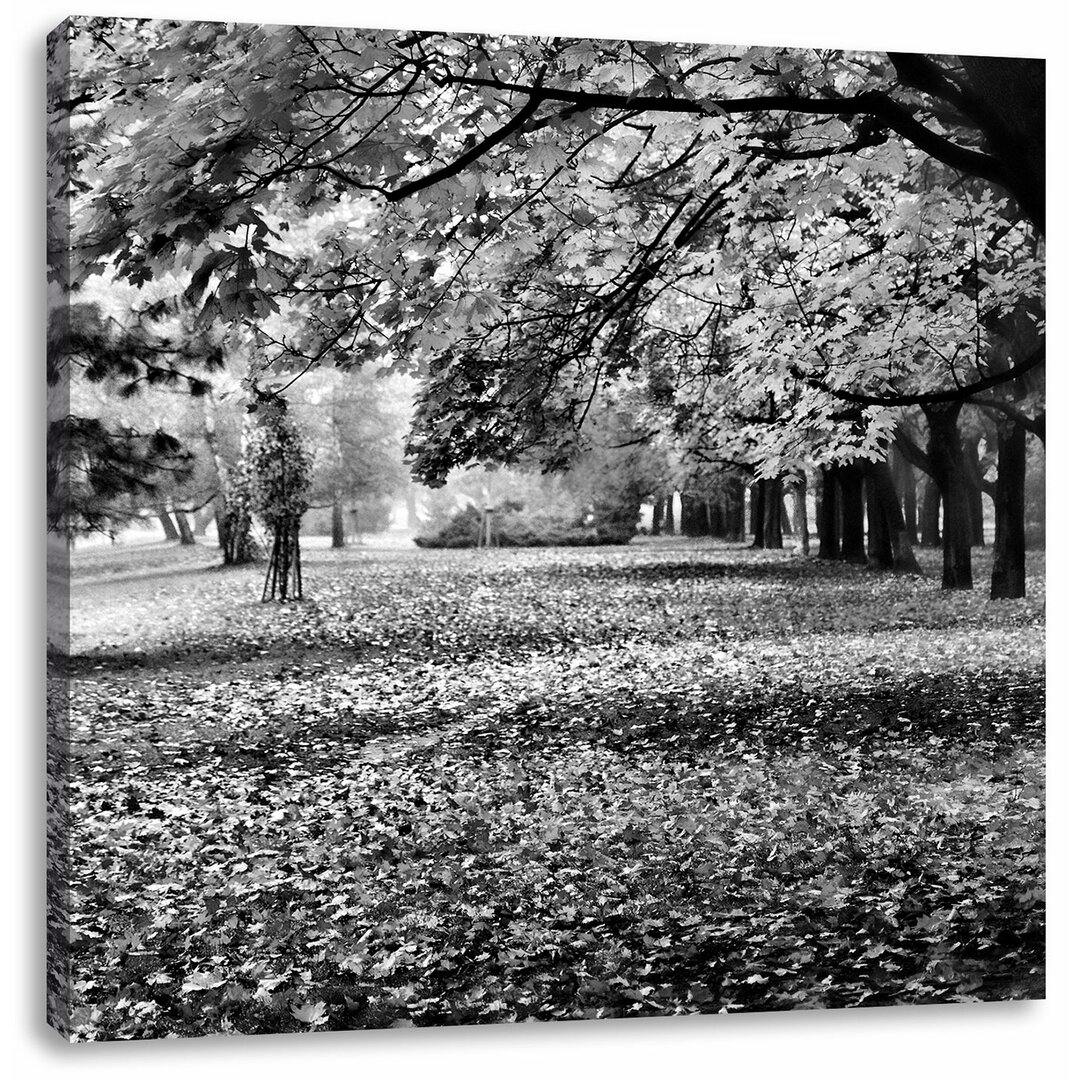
(539, 529)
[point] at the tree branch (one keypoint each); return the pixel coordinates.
(1035, 424)
(960, 393)
(871, 103)
(517, 121)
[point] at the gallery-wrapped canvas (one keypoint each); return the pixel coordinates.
(539, 528)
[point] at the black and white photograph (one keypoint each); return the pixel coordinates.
(539, 528)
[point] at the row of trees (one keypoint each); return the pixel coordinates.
(777, 260)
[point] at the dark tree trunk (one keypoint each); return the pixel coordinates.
(669, 515)
(765, 505)
(167, 523)
(187, 537)
(974, 482)
(930, 515)
(879, 553)
(946, 456)
(337, 523)
(904, 480)
(658, 515)
(701, 517)
(786, 528)
(1008, 577)
(828, 515)
(886, 518)
(686, 523)
(734, 499)
(772, 496)
(852, 547)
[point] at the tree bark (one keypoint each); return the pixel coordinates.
(852, 547)
(1008, 577)
(686, 519)
(187, 537)
(734, 500)
(828, 517)
(887, 516)
(669, 514)
(167, 523)
(798, 507)
(765, 505)
(879, 553)
(930, 515)
(946, 457)
(337, 522)
(774, 514)
(658, 514)
(904, 481)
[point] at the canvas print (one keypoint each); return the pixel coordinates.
(539, 528)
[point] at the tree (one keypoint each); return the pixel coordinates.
(280, 471)
(547, 211)
(355, 422)
(113, 452)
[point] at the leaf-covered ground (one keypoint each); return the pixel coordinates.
(465, 787)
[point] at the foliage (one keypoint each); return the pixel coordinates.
(95, 472)
(278, 467)
(515, 525)
(355, 423)
(666, 778)
(107, 448)
(234, 524)
(778, 227)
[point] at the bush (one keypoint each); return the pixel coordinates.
(514, 526)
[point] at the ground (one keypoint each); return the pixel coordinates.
(471, 786)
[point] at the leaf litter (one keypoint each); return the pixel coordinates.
(462, 787)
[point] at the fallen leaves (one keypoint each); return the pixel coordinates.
(470, 787)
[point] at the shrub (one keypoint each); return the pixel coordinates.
(514, 526)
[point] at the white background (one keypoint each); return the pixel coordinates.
(992, 1040)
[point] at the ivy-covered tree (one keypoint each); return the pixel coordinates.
(280, 478)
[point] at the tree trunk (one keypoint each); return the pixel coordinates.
(974, 480)
(828, 515)
(772, 496)
(283, 578)
(852, 548)
(1008, 579)
(734, 500)
(946, 456)
(658, 515)
(879, 553)
(930, 514)
(167, 523)
(786, 528)
(337, 522)
(798, 507)
(669, 515)
(202, 519)
(904, 481)
(889, 518)
(686, 523)
(187, 537)
(412, 511)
